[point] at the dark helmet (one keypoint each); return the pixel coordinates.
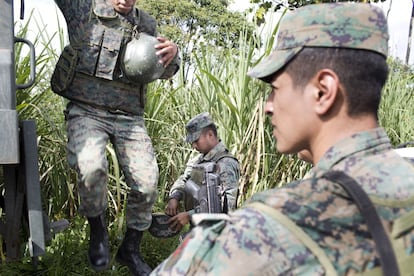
(160, 228)
(140, 63)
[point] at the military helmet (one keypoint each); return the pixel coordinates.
(139, 63)
(160, 228)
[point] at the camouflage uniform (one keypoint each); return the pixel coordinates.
(106, 106)
(227, 168)
(251, 242)
(227, 165)
(312, 226)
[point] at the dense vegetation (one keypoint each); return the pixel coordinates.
(219, 85)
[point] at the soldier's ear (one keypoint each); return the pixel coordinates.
(326, 92)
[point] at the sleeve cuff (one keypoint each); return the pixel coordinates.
(176, 194)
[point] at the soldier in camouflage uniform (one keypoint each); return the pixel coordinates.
(326, 75)
(202, 135)
(105, 106)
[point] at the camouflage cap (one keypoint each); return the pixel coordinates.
(335, 25)
(196, 125)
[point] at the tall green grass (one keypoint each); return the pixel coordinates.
(219, 85)
(396, 110)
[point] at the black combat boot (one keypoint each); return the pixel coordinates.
(128, 253)
(98, 253)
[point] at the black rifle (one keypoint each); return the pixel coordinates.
(208, 195)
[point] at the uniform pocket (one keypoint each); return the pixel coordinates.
(108, 57)
(90, 50)
(64, 71)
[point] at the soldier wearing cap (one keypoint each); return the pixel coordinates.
(202, 135)
(326, 75)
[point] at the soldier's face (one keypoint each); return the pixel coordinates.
(290, 108)
(204, 143)
(123, 6)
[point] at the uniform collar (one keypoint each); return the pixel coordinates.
(358, 145)
(213, 152)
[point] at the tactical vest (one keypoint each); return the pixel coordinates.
(107, 34)
(197, 172)
(98, 53)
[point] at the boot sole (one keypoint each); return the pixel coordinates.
(126, 263)
(98, 268)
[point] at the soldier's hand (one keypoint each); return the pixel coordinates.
(172, 207)
(177, 222)
(166, 49)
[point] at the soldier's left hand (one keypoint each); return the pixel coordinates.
(166, 49)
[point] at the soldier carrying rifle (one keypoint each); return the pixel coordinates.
(209, 183)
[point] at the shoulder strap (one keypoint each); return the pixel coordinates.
(103, 10)
(388, 260)
(222, 155)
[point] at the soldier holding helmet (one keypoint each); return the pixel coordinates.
(106, 104)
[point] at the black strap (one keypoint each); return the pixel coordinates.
(225, 204)
(387, 257)
(22, 9)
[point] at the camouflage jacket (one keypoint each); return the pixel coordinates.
(227, 168)
(98, 35)
(256, 241)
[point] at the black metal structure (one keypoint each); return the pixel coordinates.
(21, 199)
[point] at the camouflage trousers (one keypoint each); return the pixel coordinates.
(89, 130)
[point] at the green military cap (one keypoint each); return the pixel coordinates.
(335, 25)
(196, 125)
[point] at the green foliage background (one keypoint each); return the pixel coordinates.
(217, 83)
